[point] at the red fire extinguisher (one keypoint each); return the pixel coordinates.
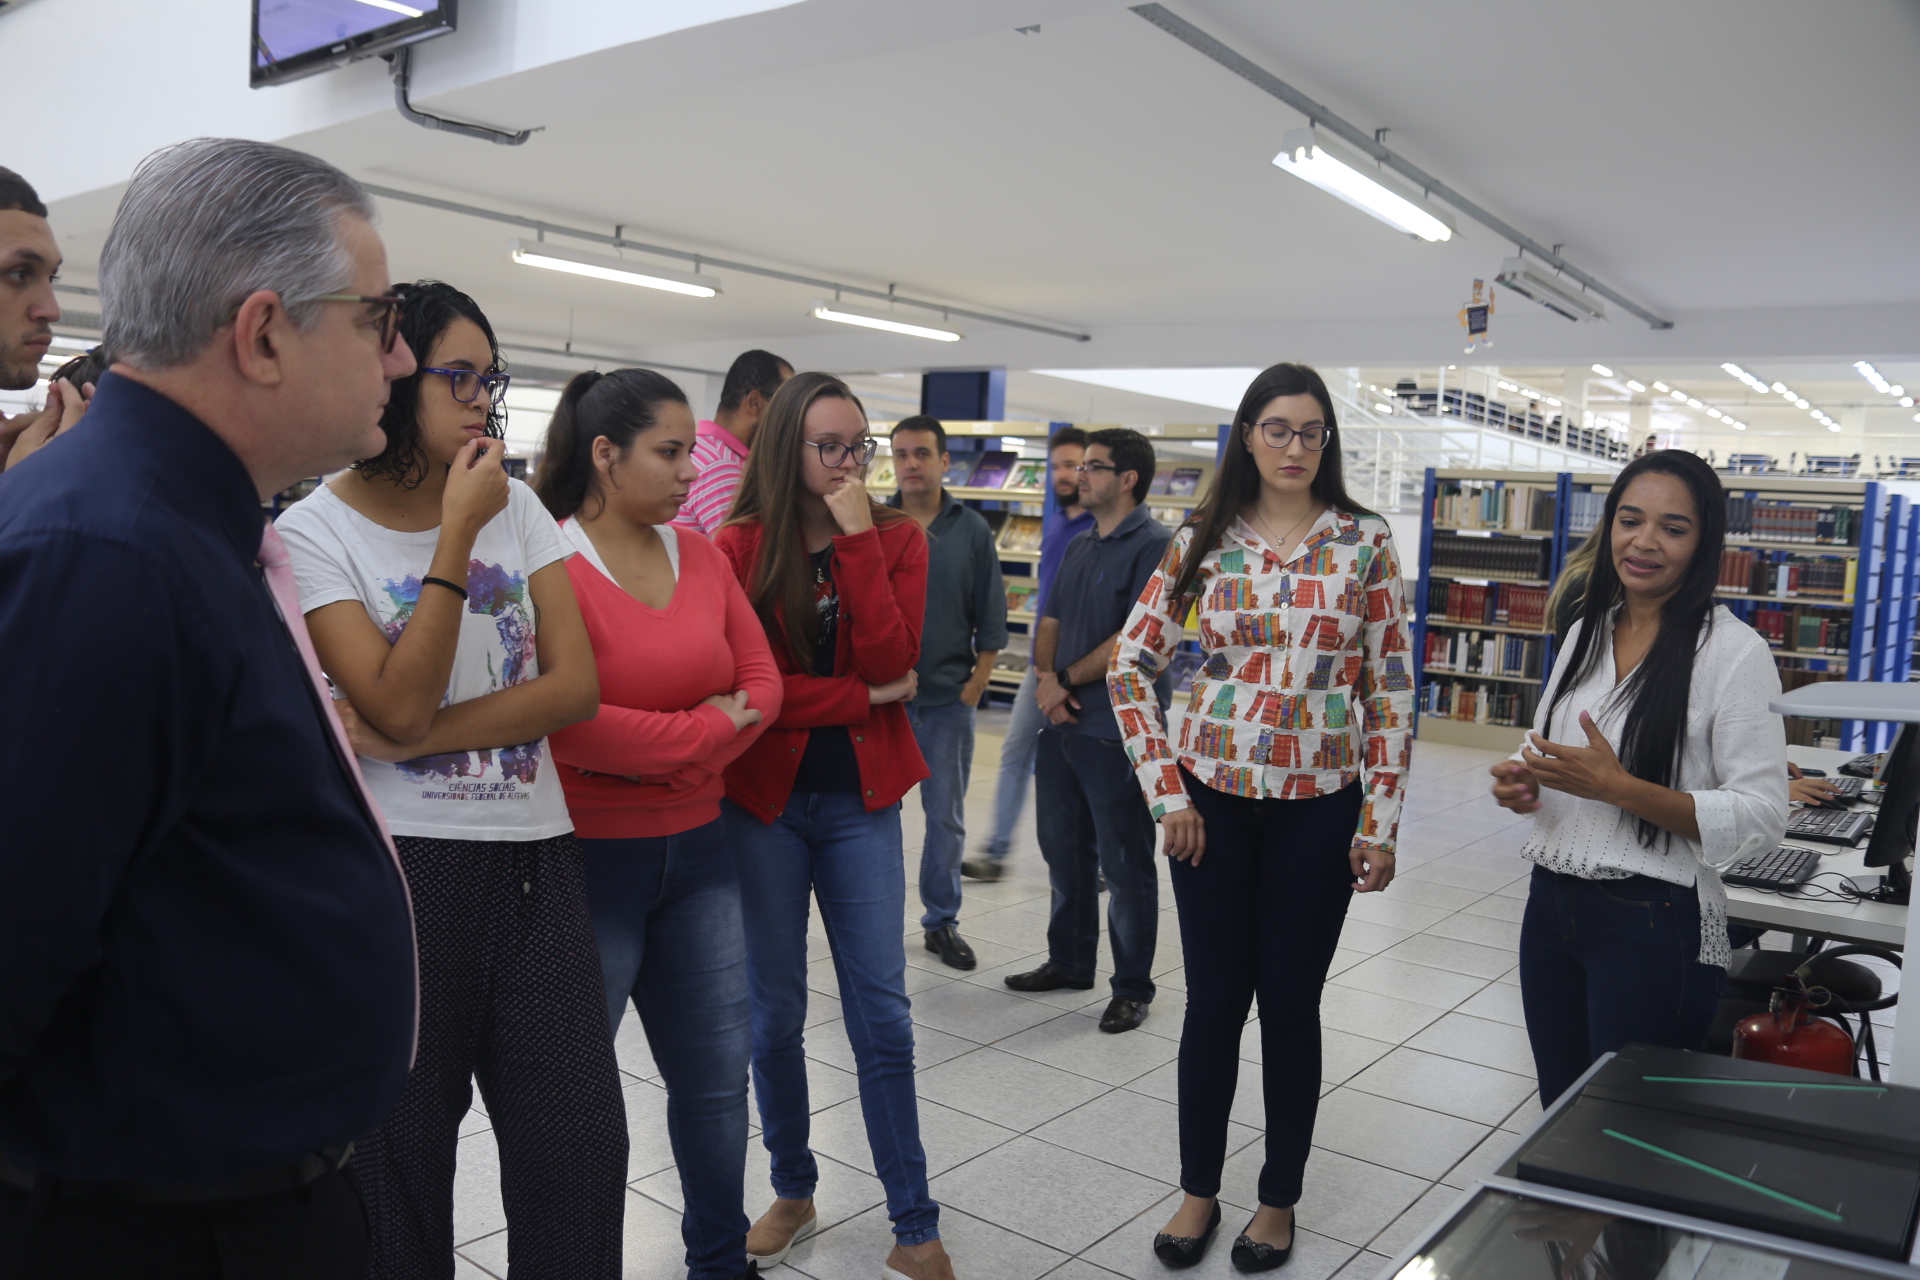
(1790, 1034)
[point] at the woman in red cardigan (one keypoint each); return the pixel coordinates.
(686, 678)
(840, 584)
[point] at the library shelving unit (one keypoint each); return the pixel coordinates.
(1491, 543)
(1825, 570)
(1001, 470)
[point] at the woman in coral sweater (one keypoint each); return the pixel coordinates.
(813, 807)
(686, 684)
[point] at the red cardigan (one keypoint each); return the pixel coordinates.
(649, 764)
(881, 576)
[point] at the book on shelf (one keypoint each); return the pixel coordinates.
(1517, 508)
(1020, 594)
(995, 466)
(1184, 482)
(1028, 473)
(959, 472)
(1454, 553)
(1484, 654)
(1772, 521)
(1804, 630)
(1157, 487)
(880, 476)
(1584, 509)
(1481, 703)
(1787, 574)
(1498, 604)
(1021, 534)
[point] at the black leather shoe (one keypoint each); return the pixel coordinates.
(1181, 1252)
(984, 867)
(1250, 1255)
(1046, 978)
(1124, 1013)
(751, 1273)
(953, 951)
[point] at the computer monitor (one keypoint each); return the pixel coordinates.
(1893, 831)
(295, 38)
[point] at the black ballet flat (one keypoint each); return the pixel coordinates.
(1250, 1255)
(1180, 1252)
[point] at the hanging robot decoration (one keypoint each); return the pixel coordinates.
(1475, 315)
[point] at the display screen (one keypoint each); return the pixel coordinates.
(294, 38)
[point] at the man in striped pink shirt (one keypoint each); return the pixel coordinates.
(720, 446)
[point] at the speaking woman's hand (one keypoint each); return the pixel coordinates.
(1372, 868)
(1184, 836)
(1515, 787)
(1592, 772)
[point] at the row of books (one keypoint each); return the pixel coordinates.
(1584, 509)
(1491, 557)
(1518, 508)
(1014, 533)
(990, 469)
(1176, 482)
(1791, 522)
(1021, 593)
(1479, 703)
(1499, 604)
(1485, 653)
(1783, 574)
(1805, 630)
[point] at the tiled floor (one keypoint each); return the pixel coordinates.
(1053, 1147)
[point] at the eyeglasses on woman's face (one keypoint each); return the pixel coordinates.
(1278, 434)
(834, 454)
(467, 384)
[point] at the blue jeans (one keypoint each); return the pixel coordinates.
(666, 913)
(945, 735)
(1091, 819)
(1016, 764)
(1603, 962)
(826, 843)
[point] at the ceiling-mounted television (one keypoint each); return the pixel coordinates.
(295, 38)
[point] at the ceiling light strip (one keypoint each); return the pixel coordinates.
(1187, 33)
(722, 264)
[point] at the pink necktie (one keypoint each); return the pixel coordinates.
(278, 567)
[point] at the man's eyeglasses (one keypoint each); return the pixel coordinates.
(1279, 435)
(834, 454)
(1083, 468)
(387, 322)
(467, 384)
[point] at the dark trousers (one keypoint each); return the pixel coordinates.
(1091, 819)
(1260, 915)
(666, 910)
(510, 994)
(1604, 962)
(316, 1233)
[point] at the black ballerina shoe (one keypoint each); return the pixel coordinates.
(1180, 1252)
(1250, 1255)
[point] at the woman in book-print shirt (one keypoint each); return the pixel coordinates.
(1278, 793)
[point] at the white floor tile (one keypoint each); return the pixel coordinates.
(1425, 1144)
(1416, 1221)
(1404, 980)
(1047, 1193)
(1142, 1134)
(1006, 1089)
(1448, 1085)
(1491, 1044)
(1078, 1045)
(1129, 1250)
(1499, 1002)
(1348, 1199)
(1486, 931)
(1499, 906)
(1453, 955)
(1369, 1014)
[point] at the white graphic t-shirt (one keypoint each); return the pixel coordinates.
(506, 793)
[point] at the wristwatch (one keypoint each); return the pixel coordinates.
(1061, 676)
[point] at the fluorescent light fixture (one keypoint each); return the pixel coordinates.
(1662, 387)
(1681, 396)
(1311, 157)
(1635, 386)
(1714, 413)
(394, 6)
(1694, 404)
(1553, 402)
(839, 313)
(1800, 404)
(1383, 408)
(1737, 426)
(1906, 402)
(619, 270)
(1780, 387)
(1603, 371)
(1834, 427)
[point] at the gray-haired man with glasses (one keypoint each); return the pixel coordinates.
(211, 986)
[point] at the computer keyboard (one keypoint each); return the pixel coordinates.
(1863, 766)
(1830, 826)
(1782, 869)
(1847, 788)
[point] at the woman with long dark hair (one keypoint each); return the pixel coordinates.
(1279, 796)
(813, 808)
(1653, 761)
(685, 679)
(440, 608)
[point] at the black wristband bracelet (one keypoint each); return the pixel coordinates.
(454, 587)
(1061, 676)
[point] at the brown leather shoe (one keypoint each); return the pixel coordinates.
(938, 1266)
(773, 1237)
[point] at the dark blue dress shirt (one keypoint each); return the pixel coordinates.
(1100, 578)
(206, 947)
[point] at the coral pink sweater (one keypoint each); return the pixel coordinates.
(650, 763)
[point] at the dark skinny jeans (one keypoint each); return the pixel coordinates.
(1261, 916)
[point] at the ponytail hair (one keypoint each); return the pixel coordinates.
(622, 406)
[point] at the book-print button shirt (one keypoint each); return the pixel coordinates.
(1304, 688)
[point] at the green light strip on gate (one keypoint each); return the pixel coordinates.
(1765, 1084)
(1734, 1178)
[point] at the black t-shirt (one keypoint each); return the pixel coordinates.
(829, 763)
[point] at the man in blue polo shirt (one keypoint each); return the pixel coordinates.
(1068, 521)
(210, 987)
(1088, 811)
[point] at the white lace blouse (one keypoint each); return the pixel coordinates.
(1733, 763)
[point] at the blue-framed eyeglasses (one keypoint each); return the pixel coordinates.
(467, 384)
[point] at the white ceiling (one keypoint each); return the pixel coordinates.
(1731, 163)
